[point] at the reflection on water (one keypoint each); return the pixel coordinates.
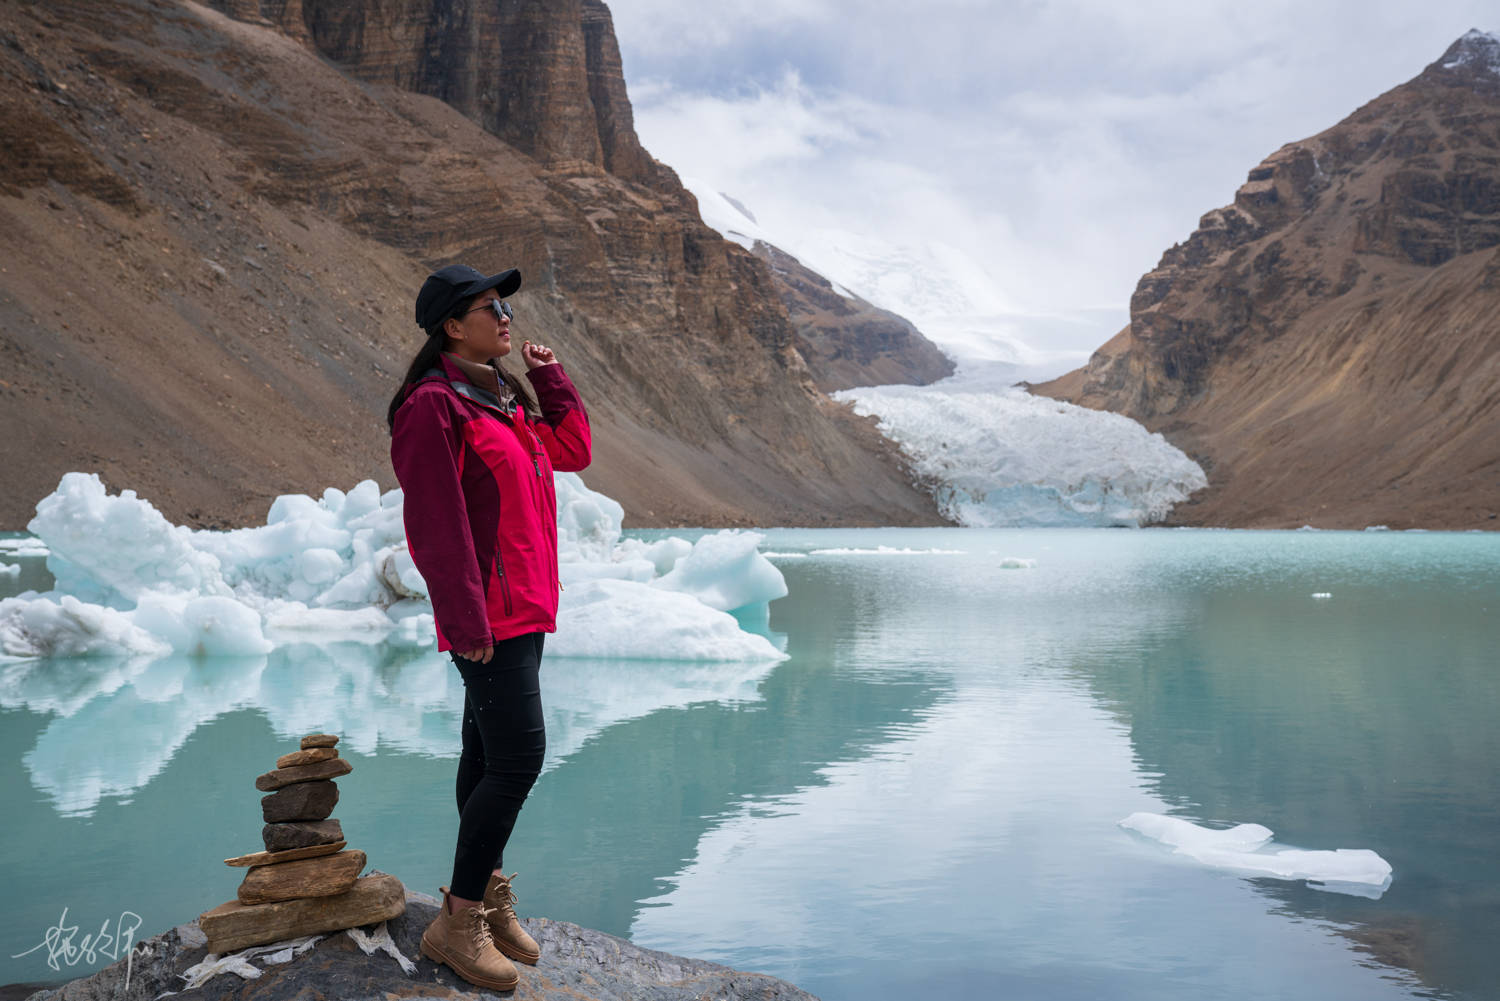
(922, 801)
(116, 724)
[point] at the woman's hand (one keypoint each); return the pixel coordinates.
(536, 356)
(480, 655)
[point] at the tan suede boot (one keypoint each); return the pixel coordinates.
(510, 937)
(463, 942)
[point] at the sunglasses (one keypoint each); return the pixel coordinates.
(502, 309)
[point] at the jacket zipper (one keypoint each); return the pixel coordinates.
(504, 581)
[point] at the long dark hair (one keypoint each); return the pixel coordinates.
(427, 359)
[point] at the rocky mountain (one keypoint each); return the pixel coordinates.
(213, 221)
(1328, 345)
(847, 341)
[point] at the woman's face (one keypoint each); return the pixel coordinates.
(482, 332)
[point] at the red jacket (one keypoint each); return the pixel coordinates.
(480, 509)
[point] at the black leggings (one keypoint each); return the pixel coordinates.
(504, 740)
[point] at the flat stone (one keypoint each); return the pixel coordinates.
(330, 769)
(281, 837)
(313, 877)
(300, 801)
(232, 926)
(290, 855)
(319, 740)
(310, 756)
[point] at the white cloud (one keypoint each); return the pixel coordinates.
(1060, 145)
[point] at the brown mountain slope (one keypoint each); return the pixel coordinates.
(1328, 346)
(212, 234)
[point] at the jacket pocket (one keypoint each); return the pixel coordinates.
(504, 581)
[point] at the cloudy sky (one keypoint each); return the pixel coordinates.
(1041, 153)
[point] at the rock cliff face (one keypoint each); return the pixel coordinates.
(1328, 346)
(214, 223)
(847, 341)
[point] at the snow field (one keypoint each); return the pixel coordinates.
(337, 569)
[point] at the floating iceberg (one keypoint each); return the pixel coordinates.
(1002, 457)
(1247, 848)
(337, 568)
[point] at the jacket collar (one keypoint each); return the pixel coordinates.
(480, 383)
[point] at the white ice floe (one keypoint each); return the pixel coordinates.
(22, 547)
(1002, 457)
(63, 626)
(1016, 563)
(337, 568)
(1248, 849)
(10, 569)
(1322, 595)
(624, 618)
(886, 551)
(726, 571)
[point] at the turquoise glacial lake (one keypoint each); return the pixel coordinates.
(922, 802)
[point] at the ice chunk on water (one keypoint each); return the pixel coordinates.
(67, 627)
(885, 551)
(1189, 837)
(622, 618)
(107, 549)
(726, 571)
(1247, 848)
(10, 569)
(1003, 457)
(212, 626)
(588, 523)
(322, 570)
(1322, 595)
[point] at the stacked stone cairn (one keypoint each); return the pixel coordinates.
(305, 882)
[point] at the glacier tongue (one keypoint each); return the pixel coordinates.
(999, 456)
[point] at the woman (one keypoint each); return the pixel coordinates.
(474, 456)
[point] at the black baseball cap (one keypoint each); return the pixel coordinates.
(447, 287)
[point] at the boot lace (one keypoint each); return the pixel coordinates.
(479, 928)
(506, 898)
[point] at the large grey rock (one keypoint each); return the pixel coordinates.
(577, 965)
